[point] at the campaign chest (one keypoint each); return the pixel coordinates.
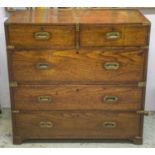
(77, 73)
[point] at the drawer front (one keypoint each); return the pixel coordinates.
(78, 125)
(41, 36)
(73, 97)
(113, 35)
(86, 65)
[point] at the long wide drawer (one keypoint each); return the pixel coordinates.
(73, 97)
(77, 125)
(113, 35)
(33, 36)
(106, 65)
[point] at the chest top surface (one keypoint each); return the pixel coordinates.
(80, 15)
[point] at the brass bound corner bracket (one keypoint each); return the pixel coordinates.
(142, 112)
(13, 84)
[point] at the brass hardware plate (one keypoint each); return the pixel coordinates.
(146, 23)
(113, 35)
(43, 65)
(10, 47)
(77, 45)
(111, 65)
(110, 99)
(109, 125)
(45, 124)
(138, 137)
(142, 84)
(77, 40)
(15, 111)
(44, 99)
(77, 27)
(13, 84)
(142, 112)
(144, 47)
(42, 35)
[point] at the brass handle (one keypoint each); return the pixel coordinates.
(44, 99)
(45, 124)
(111, 99)
(43, 65)
(109, 125)
(42, 35)
(111, 65)
(113, 35)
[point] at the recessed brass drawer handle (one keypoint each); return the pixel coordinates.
(45, 124)
(109, 124)
(111, 65)
(43, 65)
(44, 99)
(113, 35)
(110, 99)
(42, 35)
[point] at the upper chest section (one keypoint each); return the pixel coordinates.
(77, 27)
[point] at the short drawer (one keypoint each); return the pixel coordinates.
(73, 97)
(121, 65)
(77, 125)
(115, 35)
(31, 36)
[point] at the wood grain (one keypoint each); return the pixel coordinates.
(77, 97)
(69, 67)
(77, 125)
(92, 35)
(24, 36)
(78, 15)
(86, 65)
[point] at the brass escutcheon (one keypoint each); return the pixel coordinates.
(42, 35)
(109, 124)
(110, 99)
(44, 99)
(111, 65)
(43, 65)
(113, 35)
(45, 124)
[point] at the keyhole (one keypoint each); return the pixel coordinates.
(42, 28)
(77, 90)
(77, 52)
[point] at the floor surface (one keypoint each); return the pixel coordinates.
(6, 137)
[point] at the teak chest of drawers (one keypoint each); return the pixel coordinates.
(77, 73)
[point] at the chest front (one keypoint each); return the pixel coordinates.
(82, 80)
